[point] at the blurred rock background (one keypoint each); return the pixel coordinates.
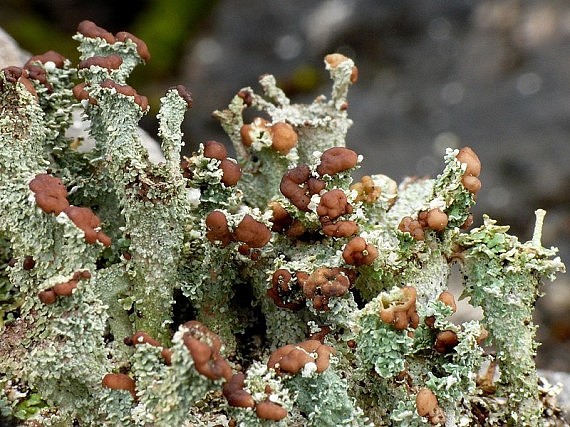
(493, 75)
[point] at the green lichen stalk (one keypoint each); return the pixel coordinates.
(507, 288)
(270, 290)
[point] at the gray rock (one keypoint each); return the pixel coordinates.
(10, 53)
(561, 379)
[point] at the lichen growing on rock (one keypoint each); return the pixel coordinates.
(267, 290)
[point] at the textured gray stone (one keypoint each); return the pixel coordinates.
(10, 53)
(563, 399)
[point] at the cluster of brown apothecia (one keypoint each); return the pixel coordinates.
(283, 136)
(446, 339)
(250, 233)
(204, 347)
(290, 290)
(436, 219)
(402, 313)
(287, 360)
(366, 190)
(80, 92)
(63, 289)
(51, 197)
(110, 62)
(91, 30)
(33, 71)
(299, 185)
(428, 406)
(231, 172)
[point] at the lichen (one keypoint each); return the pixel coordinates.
(267, 290)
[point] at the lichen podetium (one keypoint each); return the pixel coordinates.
(266, 290)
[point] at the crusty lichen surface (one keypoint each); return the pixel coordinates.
(272, 289)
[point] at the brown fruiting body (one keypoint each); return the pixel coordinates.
(111, 62)
(467, 155)
(35, 71)
(47, 297)
(215, 150)
(13, 73)
(289, 359)
(436, 219)
(267, 410)
(248, 131)
(29, 263)
(334, 59)
(49, 56)
(468, 222)
(280, 219)
(323, 284)
(412, 226)
(65, 289)
(427, 406)
(89, 223)
(126, 90)
(483, 336)
(142, 48)
(246, 135)
(445, 341)
(470, 179)
(235, 394)
(357, 252)
(29, 86)
(339, 228)
(246, 96)
(91, 30)
(296, 230)
(231, 172)
(20, 75)
(185, 94)
(471, 183)
(315, 185)
(142, 337)
(367, 191)
(402, 314)
(323, 353)
(321, 333)
(285, 290)
(292, 358)
(166, 354)
(120, 382)
(217, 229)
(283, 137)
(335, 160)
(50, 193)
(204, 347)
(252, 232)
(448, 299)
(80, 93)
(333, 204)
(293, 186)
